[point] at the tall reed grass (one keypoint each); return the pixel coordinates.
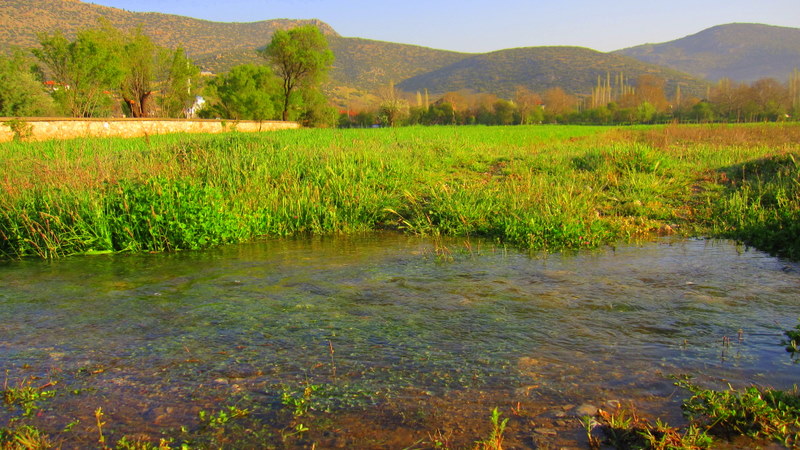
(540, 188)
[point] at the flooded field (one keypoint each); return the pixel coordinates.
(386, 340)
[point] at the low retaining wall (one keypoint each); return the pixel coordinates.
(41, 129)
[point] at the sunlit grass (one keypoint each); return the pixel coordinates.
(540, 188)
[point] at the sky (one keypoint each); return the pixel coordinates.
(479, 26)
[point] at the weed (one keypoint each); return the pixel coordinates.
(793, 341)
(299, 403)
(625, 428)
(22, 130)
(757, 413)
(220, 419)
(24, 437)
(495, 439)
(26, 397)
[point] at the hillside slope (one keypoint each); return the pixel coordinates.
(739, 51)
(21, 20)
(575, 69)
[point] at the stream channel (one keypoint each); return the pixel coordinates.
(389, 340)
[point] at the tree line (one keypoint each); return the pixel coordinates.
(640, 101)
(104, 71)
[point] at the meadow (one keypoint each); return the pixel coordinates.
(541, 188)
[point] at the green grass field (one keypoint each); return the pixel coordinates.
(547, 188)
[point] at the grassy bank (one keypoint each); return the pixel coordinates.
(539, 188)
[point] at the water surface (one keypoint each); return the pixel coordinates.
(396, 325)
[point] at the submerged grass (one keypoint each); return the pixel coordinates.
(539, 188)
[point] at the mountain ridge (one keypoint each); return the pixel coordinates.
(363, 66)
(740, 51)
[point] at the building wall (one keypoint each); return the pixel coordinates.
(63, 128)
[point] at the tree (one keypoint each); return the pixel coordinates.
(393, 107)
(21, 93)
(529, 104)
(557, 104)
(301, 59)
(85, 70)
(247, 92)
(650, 89)
(180, 87)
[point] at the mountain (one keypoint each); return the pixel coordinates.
(362, 66)
(739, 51)
(575, 69)
(360, 63)
(21, 20)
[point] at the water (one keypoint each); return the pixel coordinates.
(407, 334)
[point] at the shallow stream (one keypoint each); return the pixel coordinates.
(403, 337)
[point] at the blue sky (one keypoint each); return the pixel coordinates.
(481, 26)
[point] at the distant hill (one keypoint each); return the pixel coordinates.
(21, 20)
(575, 69)
(362, 66)
(739, 51)
(360, 63)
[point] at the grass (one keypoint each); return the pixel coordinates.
(537, 188)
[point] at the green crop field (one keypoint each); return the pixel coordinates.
(549, 188)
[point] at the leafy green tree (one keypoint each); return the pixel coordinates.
(301, 59)
(505, 112)
(21, 93)
(180, 87)
(316, 111)
(247, 92)
(86, 70)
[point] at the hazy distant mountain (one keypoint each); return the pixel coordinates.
(575, 69)
(740, 51)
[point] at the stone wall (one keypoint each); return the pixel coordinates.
(39, 129)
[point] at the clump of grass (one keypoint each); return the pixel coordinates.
(26, 397)
(24, 437)
(625, 428)
(761, 206)
(753, 412)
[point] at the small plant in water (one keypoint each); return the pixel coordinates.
(495, 439)
(299, 402)
(26, 396)
(793, 341)
(221, 418)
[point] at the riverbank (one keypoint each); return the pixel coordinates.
(550, 188)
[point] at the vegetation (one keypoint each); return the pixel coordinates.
(22, 92)
(540, 188)
(103, 60)
(761, 414)
(573, 69)
(301, 59)
(247, 92)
